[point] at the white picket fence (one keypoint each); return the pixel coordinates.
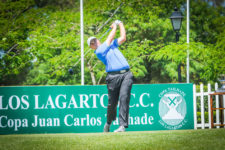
(202, 94)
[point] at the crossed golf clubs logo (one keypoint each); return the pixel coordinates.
(172, 103)
(172, 100)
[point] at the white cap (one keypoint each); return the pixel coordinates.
(89, 40)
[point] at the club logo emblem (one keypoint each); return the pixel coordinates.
(172, 108)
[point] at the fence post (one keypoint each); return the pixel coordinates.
(202, 106)
(217, 106)
(224, 110)
(195, 106)
(209, 110)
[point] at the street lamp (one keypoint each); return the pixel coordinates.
(176, 20)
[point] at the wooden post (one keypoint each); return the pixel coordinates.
(220, 108)
(211, 105)
(217, 106)
(224, 109)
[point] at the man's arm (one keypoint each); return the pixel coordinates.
(122, 37)
(111, 34)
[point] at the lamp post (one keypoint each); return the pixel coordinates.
(176, 20)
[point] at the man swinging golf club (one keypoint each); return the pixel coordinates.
(119, 79)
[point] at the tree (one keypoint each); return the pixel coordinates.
(15, 61)
(40, 41)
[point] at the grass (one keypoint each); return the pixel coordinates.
(151, 140)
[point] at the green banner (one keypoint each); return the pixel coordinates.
(82, 109)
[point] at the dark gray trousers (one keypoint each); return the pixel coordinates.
(119, 89)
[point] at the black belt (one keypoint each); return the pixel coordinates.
(119, 72)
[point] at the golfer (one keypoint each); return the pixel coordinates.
(119, 79)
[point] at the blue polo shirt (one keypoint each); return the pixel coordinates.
(111, 57)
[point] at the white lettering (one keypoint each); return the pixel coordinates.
(83, 101)
(1, 104)
(144, 119)
(66, 119)
(24, 123)
(35, 123)
(43, 122)
(57, 101)
(10, 123)
(85, 121)
(99, 121)
(11, 102)
(141, 99)
(141, 120)
(49, 103)
(17, 124)
(137, 120)
(102, 100)
(150, 119)
(93, 121)
(2, 126)
(36, 102)
(13, 123)
(72, 102)
(76, 122)
(24, 101)
(94, 99)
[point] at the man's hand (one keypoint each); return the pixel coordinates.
(111, 34)
(117, 22)
(113, 25)
(122, 37)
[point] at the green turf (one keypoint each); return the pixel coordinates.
(213, 139)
